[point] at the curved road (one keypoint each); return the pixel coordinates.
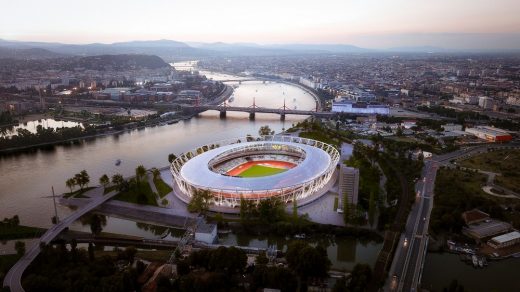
(13, 279)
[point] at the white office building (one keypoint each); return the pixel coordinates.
(351, 107)
(349, 184)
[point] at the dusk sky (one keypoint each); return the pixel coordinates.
(366, 23)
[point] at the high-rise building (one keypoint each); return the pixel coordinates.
(349, 184)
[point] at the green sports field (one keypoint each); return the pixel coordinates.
(260, 170)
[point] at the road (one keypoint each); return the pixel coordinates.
(406, 269)
(13, 279)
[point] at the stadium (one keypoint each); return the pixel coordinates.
(255, 168)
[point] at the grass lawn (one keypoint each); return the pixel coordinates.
(19, 232)
(260, 170)
(109, 189)
(504, 162)
(78, 193)
(142, 195)
(162, 187)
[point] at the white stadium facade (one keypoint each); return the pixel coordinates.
(305, 168)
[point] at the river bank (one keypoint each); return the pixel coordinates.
(223, 95)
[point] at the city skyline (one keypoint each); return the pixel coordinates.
(362, 23)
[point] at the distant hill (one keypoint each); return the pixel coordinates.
(166, 49)
(323, 48)
(174, 50)
(100, 63)
(27, 54)
(121, 62)
(420, 49)
(171, 50)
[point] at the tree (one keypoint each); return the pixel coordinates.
(199, 201)
(243, 209)
(104, 180)
(19, 246)
(15, 221)
(360, 278)
(295, 210)
(82, 179)
(70, 183)
(340, 285)
(91, 255)
(140, 172)
(265, 130)
(156, 173)
(118, 180)
(307, 261)
(95, 224)
(129, 253)
(271, 210)
(262, 259)
(399, 132)
(171, 157)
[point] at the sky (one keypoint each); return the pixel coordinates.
(365, 23)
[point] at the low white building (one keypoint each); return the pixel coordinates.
(206, 233)
(359, 108)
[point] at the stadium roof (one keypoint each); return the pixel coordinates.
(197, 172)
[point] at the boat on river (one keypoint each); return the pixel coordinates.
(118, 162)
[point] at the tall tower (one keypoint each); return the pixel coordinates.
(42, 99)
(349, 184)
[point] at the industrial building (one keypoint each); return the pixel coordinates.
(505, 240)
(486, 229)
(490, 134)
(349, 184)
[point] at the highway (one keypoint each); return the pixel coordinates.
(13, 279)
(406, 269)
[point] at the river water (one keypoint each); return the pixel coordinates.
(441, 268)
(31, 126)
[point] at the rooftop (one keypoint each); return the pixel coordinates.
(205, 228)
(506, 237)
(474, 215)
(487, 228)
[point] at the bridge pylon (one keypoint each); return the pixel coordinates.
(283, 108)
(223, 110)
(253, 107)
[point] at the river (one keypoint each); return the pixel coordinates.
(27, 178)
(441, 268)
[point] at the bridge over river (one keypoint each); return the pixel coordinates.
(252, 110)
(13, 279)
